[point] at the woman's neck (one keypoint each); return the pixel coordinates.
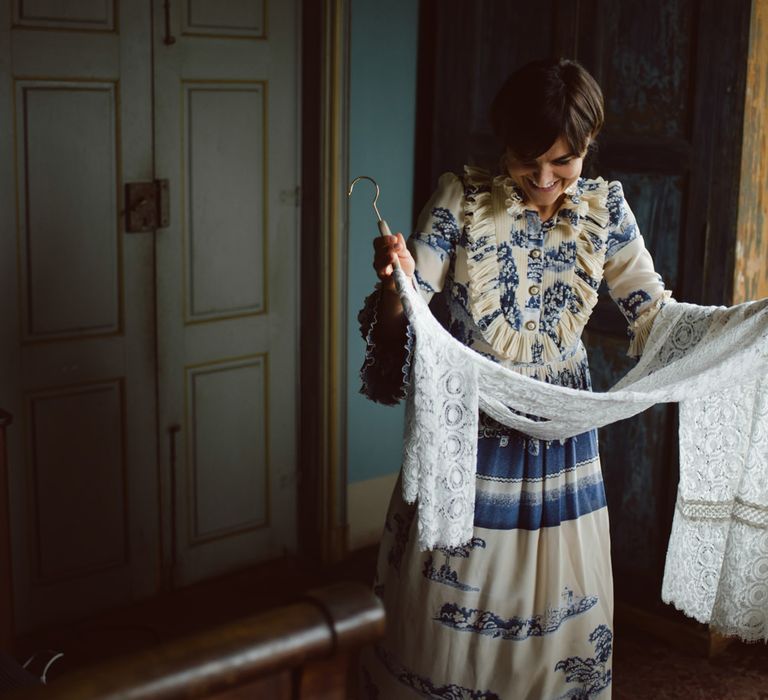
(547, 212)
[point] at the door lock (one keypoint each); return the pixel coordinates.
(146, 206)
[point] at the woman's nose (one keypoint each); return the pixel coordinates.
(543, 174)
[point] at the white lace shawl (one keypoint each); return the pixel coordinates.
(710, 359)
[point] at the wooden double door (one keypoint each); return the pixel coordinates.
(152, 375)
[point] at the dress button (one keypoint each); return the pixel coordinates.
(530, 325)
(533, 289)
(535, 253)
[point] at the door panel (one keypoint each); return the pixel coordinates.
(70, 257)
(227, 447)
(80, 463)
(224, 148)
(645, 65)
(232, 18)
(78, 367)
(94, 15)
(226, 125)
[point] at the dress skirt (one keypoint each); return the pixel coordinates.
(523, 611)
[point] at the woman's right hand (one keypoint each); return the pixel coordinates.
(387, 249)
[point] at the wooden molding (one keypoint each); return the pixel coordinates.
(325, 70)
(750, 276)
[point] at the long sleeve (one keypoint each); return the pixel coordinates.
(438, 230)
(634, 284)
(386, 368)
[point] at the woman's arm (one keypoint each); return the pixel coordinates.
(634, 284)
(425, 259)
(391, 327)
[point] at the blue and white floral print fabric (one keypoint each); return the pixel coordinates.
(523, 611)
(528, 287)
(519, 290)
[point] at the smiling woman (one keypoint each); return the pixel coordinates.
(547, 178)
(524, 609)
(545, 146)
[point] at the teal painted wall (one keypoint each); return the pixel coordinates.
(381, 142)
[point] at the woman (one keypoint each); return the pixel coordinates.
(524, 610)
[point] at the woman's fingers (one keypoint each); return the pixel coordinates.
(383, 243)
(389, 250)
(386, 251)
(385, 270)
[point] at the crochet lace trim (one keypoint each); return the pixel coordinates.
(589, 230)
(640, 329)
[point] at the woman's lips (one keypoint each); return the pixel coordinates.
(548, 188)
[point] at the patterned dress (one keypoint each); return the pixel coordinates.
(524, 610)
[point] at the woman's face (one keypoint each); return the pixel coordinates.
(545, 179)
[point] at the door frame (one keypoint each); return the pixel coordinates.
(322, 453)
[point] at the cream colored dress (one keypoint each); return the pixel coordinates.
(524, 611)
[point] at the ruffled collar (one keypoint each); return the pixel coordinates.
(586, 201)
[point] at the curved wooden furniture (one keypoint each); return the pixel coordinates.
(294, 652)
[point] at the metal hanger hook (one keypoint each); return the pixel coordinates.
(375, 199)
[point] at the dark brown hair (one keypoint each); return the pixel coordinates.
(543, 100)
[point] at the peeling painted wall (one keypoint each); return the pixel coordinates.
(751, 265)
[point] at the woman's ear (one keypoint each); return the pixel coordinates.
(590, 158)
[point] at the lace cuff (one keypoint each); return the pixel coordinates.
(640, 329)
(386, 370)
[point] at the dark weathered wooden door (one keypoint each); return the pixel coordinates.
(673, 138)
